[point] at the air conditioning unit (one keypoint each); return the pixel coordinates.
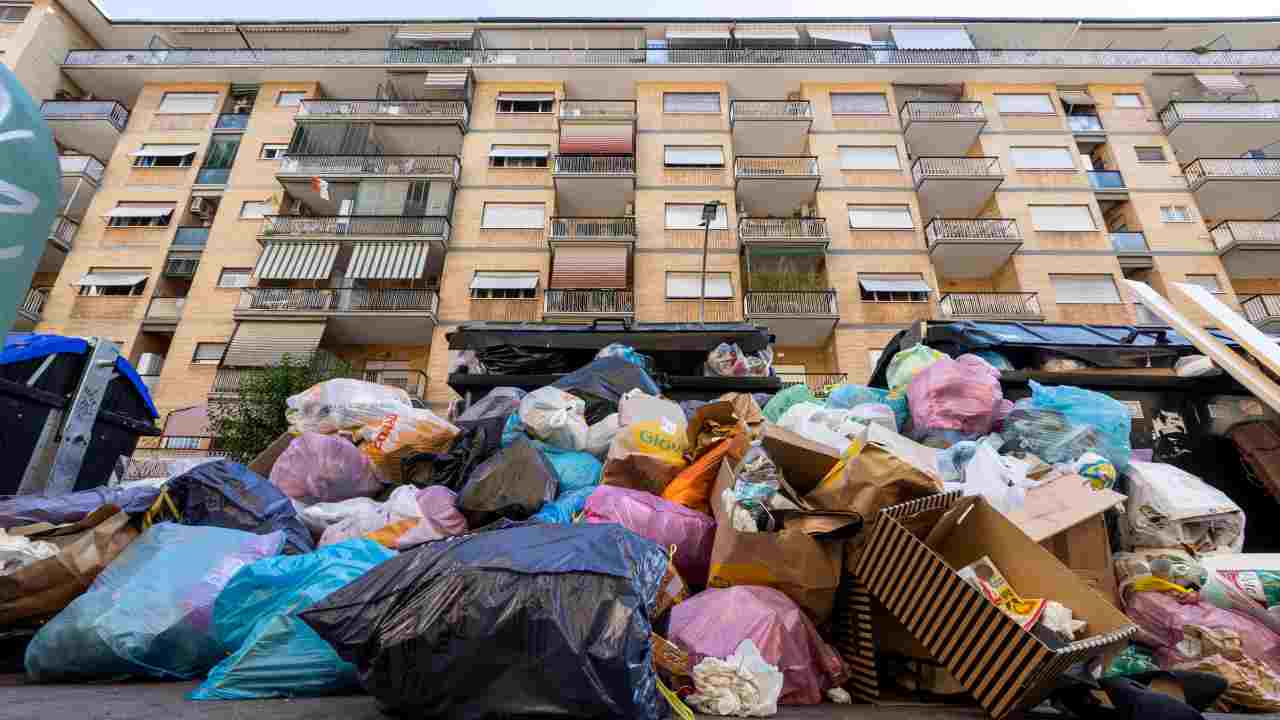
(629, 210)
(150, 363)
(200, 206)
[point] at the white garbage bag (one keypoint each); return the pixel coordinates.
(833, 428)
(556, 417)
(743, 684)
(1169, 507)
(600, 435)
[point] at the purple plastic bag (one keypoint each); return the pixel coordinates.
(962, 395)
(1162, 618)
(74, 507)
(661, 521)
(324, 468)
(440, 517)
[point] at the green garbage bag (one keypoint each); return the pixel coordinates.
(906, 363)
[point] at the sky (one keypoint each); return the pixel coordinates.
(345, 9)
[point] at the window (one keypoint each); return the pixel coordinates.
(1127, 100)
(1175, 213)
(689, 285)
(273, 151)
(526, 102)
(870, 158)
(1025, 104)
(174, 442)
(893, 287)
(880, 217)
(694, 156)
(177, 102)
(1062, 218)
(156, 155)
(1042, 158)
(859, 104)
(518, 156)
(14, 13)
(256, 209)
(234, 277)
(110, 281)
(681, 216)
(208, 353)
(1149, 154)
(691, 102)
(127, 214)
(487, 285)
(1076, 289)
(508, 216)
(1208, 282)
(290, 98)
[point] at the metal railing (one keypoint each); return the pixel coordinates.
(286, 299)
(770, 110)
(191, 236)
(1106, 180)
(595, 165)
(774, 228)
(762, 166)
(227, 380)
(940, 111)
(81, 165)
(1180, 111)
(413, 382)
(231, 121)
(971, 230)
(790, 302)
(611, 228)
(33, 303)
(818, 383)
(165, 309)
(213, 176)
(396, 165)
(603, 301)
(425, 109)
(339, 299)
(1129, 242)
(1202, 169)
(1245, 231)
(597, 109)
(990, 305)
(183, 266)
(109, 110)
(1261, 308)
(956, 167)
(1084, 123)
(64, 230)
(354, 225)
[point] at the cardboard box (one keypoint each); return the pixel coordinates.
(804, 462)
(1003, 667)
(266, 459)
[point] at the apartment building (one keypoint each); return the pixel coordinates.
(360, 189)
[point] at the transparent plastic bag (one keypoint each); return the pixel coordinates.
(1109, 419)
(849, 396)
(961, 395)
(756, 480)
(601, 434)
(784, 399)
(728, 360)
(628, 353)
(555, 417)
(343, 404)
(440, 517)
(879, 413)
(324, 468)
(906, 363)
(833, 428)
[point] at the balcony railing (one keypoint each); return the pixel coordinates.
(979, 305)
(1204, 169)
(956, 167)
(191, 236)
(213, 176)
(1129, 242)
(423, 109)
(1261, 309)
(1180, 111)
(1084, 123)
(1246, 231)
(356, 225)
(798, 303)
(770, 110)
(165, 309)
(589, 302)
(595, 165)
(819, 383)
(394, 165)
(413, 382)
(772, 228)
(81, 165)
(761, 166)
(339, 299)
(608, 228)
(597, 109)
(935, 111)
(971, 230)
(109, 110)
(64, 230)
(227, 380)
(33, 303)
(1106, 180)
(231, 121)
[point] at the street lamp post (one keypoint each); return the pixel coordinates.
(709, 212)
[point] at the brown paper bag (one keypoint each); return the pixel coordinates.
(889, 470)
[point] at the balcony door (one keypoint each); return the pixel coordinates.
(383, 197)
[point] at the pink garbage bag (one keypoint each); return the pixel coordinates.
(661, 521)
(324, 468)
(713, 622)
(1162, 618)
(961, 395)
(440, 517)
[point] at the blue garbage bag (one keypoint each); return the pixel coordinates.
(848, 396)
(74, 507)
(1060, 423)
(628, 353)
(150, 612)
(273, 653)
(601, 383)
(230, 495)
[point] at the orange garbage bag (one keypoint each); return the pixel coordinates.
(692, 487)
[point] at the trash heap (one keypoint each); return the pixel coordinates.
(593, 548)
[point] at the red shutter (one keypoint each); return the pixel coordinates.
(589, 267)
(597, 145)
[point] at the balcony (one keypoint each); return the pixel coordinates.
(594, 184)
(413, 382)
(1263, 311)
(29, 310)
(990, 306)
(181, 264)
(797, 318)
(801, 231)
(588, 304)
(163, 314)
(941, 128)
(93, 126)
(955, 186)
(355, 316)
(597, 111)
(1131, 249)
(213, 176)
(776, 185)
(371, 227)
(1200, 128)
(1108, 184)
(971, 248)
(1235, 187)
(63, 232)
(1248, 248)
(594, 230)
(761, 126)
(408, 112)
(231, 122)
(81, 175)
(297, 172)
(191, 237)
(819, 383)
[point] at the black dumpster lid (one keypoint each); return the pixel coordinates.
(645, 337)
(22, 347)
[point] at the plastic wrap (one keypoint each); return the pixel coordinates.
(358, 517)
(390, 439)
(906, 363)
(73, 507)
(714, 622)
(1169, 507)
(846, 397)
(516, 360)
(513, 484)
(272, 652)
(601, 384)
(995, 360)
(878, 413)
(1163, 619)
(480, 437)
(663, 522)
(230, 495)
(833, 428)
(150, 611)
(960, 395)
(782, 401)
(343, 404)
(324, 468)
(496, 623)
(555, 417)
(728, 360)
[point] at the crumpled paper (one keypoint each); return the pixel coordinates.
(743, 684)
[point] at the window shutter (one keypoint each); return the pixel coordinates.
(1126, 100)
(515, 217)
(1153, 153)
(1029, 104)
(1062, 218)
(859, 104)
(880, 217)
(691, 102)
(1043, 158)
(1076, 289)
(705, 156)
(188, 103)
(689, 215)
(208, 352)
(870, 158)
(689, 285)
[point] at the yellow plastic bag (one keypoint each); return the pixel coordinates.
(646, 456)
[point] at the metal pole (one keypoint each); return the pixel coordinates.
(702, 296)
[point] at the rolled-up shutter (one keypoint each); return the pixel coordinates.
(613, 139)
(1222, 84)
(296, 261)
(260, 343)
(698, 31)
(765, 31)
(590, 267)
(387, 261)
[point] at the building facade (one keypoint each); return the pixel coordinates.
(235, 192)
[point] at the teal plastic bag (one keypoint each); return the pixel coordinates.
(849, 396)
(273, 653)
(1110, 420)
(906, 363)
(577, 475)
(780, 403)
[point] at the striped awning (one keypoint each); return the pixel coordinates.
(140, 211)
(841, 33)
(765, 31)
(439, 79)
(698, 31)
(500, 280)
(105, 278)
(1222, 84)
(527, 97)
(396, 260)
(519, 151)
(296, 261)
(1076, 97)
(165, 151)
(262, 343)
(436, 33)
(590, 267)
(894, 282)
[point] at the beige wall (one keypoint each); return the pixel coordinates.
(35, 49)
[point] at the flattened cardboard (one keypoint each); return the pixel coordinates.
(803, 462)
(266, 459)
(1061, 504)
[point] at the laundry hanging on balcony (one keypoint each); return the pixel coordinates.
(296, 261)
(589, 267)
(388, 261)
(262, 343)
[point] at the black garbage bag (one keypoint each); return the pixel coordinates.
(602, 382)
(481, 437)
(515, 360)
(229, 495)
(534, 620)
(513, 484)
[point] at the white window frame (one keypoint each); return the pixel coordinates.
(235, 273)
(1196, 278)
(872, 113)
(207, 347)
(849, 159)
(892, 296)
(505, 293)
(1164, 157)
(512, 98)
(1176, 214)
(1048, 99)
(290, 98)
(165, 161)
(667, 150)
(667, 111)
(908, 224)
(211, 97)
(719, 285)
(487, 223)
(1036, 155)
(1137, 100)
(277, 150)
(1093, 221)
(720, 223)
(248, 205)
(1113, 298)
(540, 162)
